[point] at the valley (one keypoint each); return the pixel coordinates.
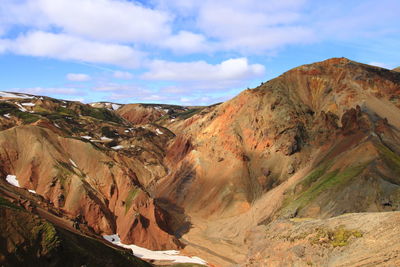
(303, 170)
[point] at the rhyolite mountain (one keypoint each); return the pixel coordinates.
(302, 170)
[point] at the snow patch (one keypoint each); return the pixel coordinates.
(117, 147)
(86, 137)
(12, 179)
(158, 131)
(115, 106)
(32, 191)
(73, 163)
(7, 116)
(11, 95)
(21, 108)
(172, 120)
(126, 131)
(166, 255)
(55, 124)
(103, 138)
(28, 104)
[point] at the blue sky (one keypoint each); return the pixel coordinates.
(187, 52)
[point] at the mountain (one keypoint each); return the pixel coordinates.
(88, 162)
(397, 69)
(268, 133)
(302, 170)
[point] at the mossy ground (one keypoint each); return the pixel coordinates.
(338, 237)
(47, 235)
(391, 159)
(319, 181)
(129, 199)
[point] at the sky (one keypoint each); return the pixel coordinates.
(186, 52)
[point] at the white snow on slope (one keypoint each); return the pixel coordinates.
(158, 131)
(21, 108)
(32, 191)
(7, 116)
(115, 106)
(12, 179)
(87, 137)
(28, 104)
(5, 94)
(73, 163)
(166, 255)
(103, 138)
(117, 147)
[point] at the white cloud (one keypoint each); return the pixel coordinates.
(66, 47)
(231, 69)
(122, 75)
(249, 27)
(102, 20)
(187, 42)
(78, 77)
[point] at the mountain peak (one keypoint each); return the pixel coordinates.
(397, 69)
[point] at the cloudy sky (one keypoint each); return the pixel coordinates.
(188, 52)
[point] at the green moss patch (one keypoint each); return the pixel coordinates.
(318, 182)
(100, 114)
(338, 237)
(7, 108)
(47, 235)
(391, 159)
(65, 111)
(27, 117)
(129, 199)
